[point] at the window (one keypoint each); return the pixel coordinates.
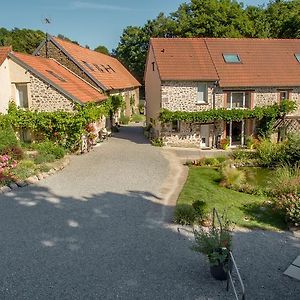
(297, 55)
(283, 95)
(239, 100)
(56, 76)
(175, 126)
(22, 95)
(88, 65)
(98, 68)
(202, 93)
(232, 58)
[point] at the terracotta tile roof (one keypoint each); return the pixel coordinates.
(3, 53)
(264, 62)
(56, 74)
(105, 69)
(183, 59)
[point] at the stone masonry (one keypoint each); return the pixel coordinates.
(46, 98)
(182, 96)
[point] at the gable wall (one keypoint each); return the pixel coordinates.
(5, 89)
(46, 98)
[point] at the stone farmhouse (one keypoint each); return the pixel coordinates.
(102, 71)
(195, 74)
(41, 84)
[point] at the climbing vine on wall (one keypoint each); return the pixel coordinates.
(222, 114)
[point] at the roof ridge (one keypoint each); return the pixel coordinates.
(225, 38)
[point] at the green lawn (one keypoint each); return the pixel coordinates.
(243, 209)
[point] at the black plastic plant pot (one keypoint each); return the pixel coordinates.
(218, 272)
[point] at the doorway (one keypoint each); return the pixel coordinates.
(204, 136)
(235, 130)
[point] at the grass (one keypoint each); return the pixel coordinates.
(243, 209)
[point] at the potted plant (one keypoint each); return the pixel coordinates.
(216, 244)
(225, 143)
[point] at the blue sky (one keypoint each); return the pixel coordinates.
(90, 22)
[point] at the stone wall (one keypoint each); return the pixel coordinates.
(58, 55)
(265, 96)
(45, 98)
(182, 95)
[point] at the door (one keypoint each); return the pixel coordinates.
(204, 136)
(235, 131)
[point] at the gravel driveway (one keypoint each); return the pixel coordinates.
(96, 230)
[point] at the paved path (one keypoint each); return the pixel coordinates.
(95, 231)
(99, 230)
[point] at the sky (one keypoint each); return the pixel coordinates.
(90, 22)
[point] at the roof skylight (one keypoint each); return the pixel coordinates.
(231, 58)
(297, 55)
(98, 68)
(56, 76)
(88, 65)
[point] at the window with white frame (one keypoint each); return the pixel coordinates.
(283, 95)
(22, 95)
(238, 100)
(202, 93)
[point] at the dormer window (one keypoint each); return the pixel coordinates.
(297, 55)
(231, 58)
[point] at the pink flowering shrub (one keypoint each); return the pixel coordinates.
(6, 165)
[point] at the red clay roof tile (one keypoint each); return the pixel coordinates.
(3, 53)
(61, 77)
(113, 75)
(264, 62)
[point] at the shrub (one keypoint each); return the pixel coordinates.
(7, 163)
(289, 206)
(137, 118)
(24, 169)
(211, 161)
(9, 144)
(124, 119)
(49, 148)
(224, 143)
(221, 159)
(184, 214)
(232, 176)
(243, 155)
(292, 149)
(200, 209)
(270, 154)
(251, 142)
(158, 142)
(141, 108)
(286, 180)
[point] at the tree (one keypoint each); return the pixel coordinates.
(102, 49)
(214, 18)
(62, 37)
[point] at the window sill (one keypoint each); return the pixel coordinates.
(202, 103)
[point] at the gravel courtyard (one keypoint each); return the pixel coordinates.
(99, 230)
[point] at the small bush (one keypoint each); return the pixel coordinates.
(49, 148)
(9, 144)
(224, 143)
(137, 118)
(270, 154)
(200, 209)
(24, 169)
(158, 142)
(124, 120)
(184, 215)
(243, 155)
(232, 176)
(286, 180)
(289, 206)
(211, 161)
(141, 108)
(251, 142)
(221, 159)
(292, 150)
